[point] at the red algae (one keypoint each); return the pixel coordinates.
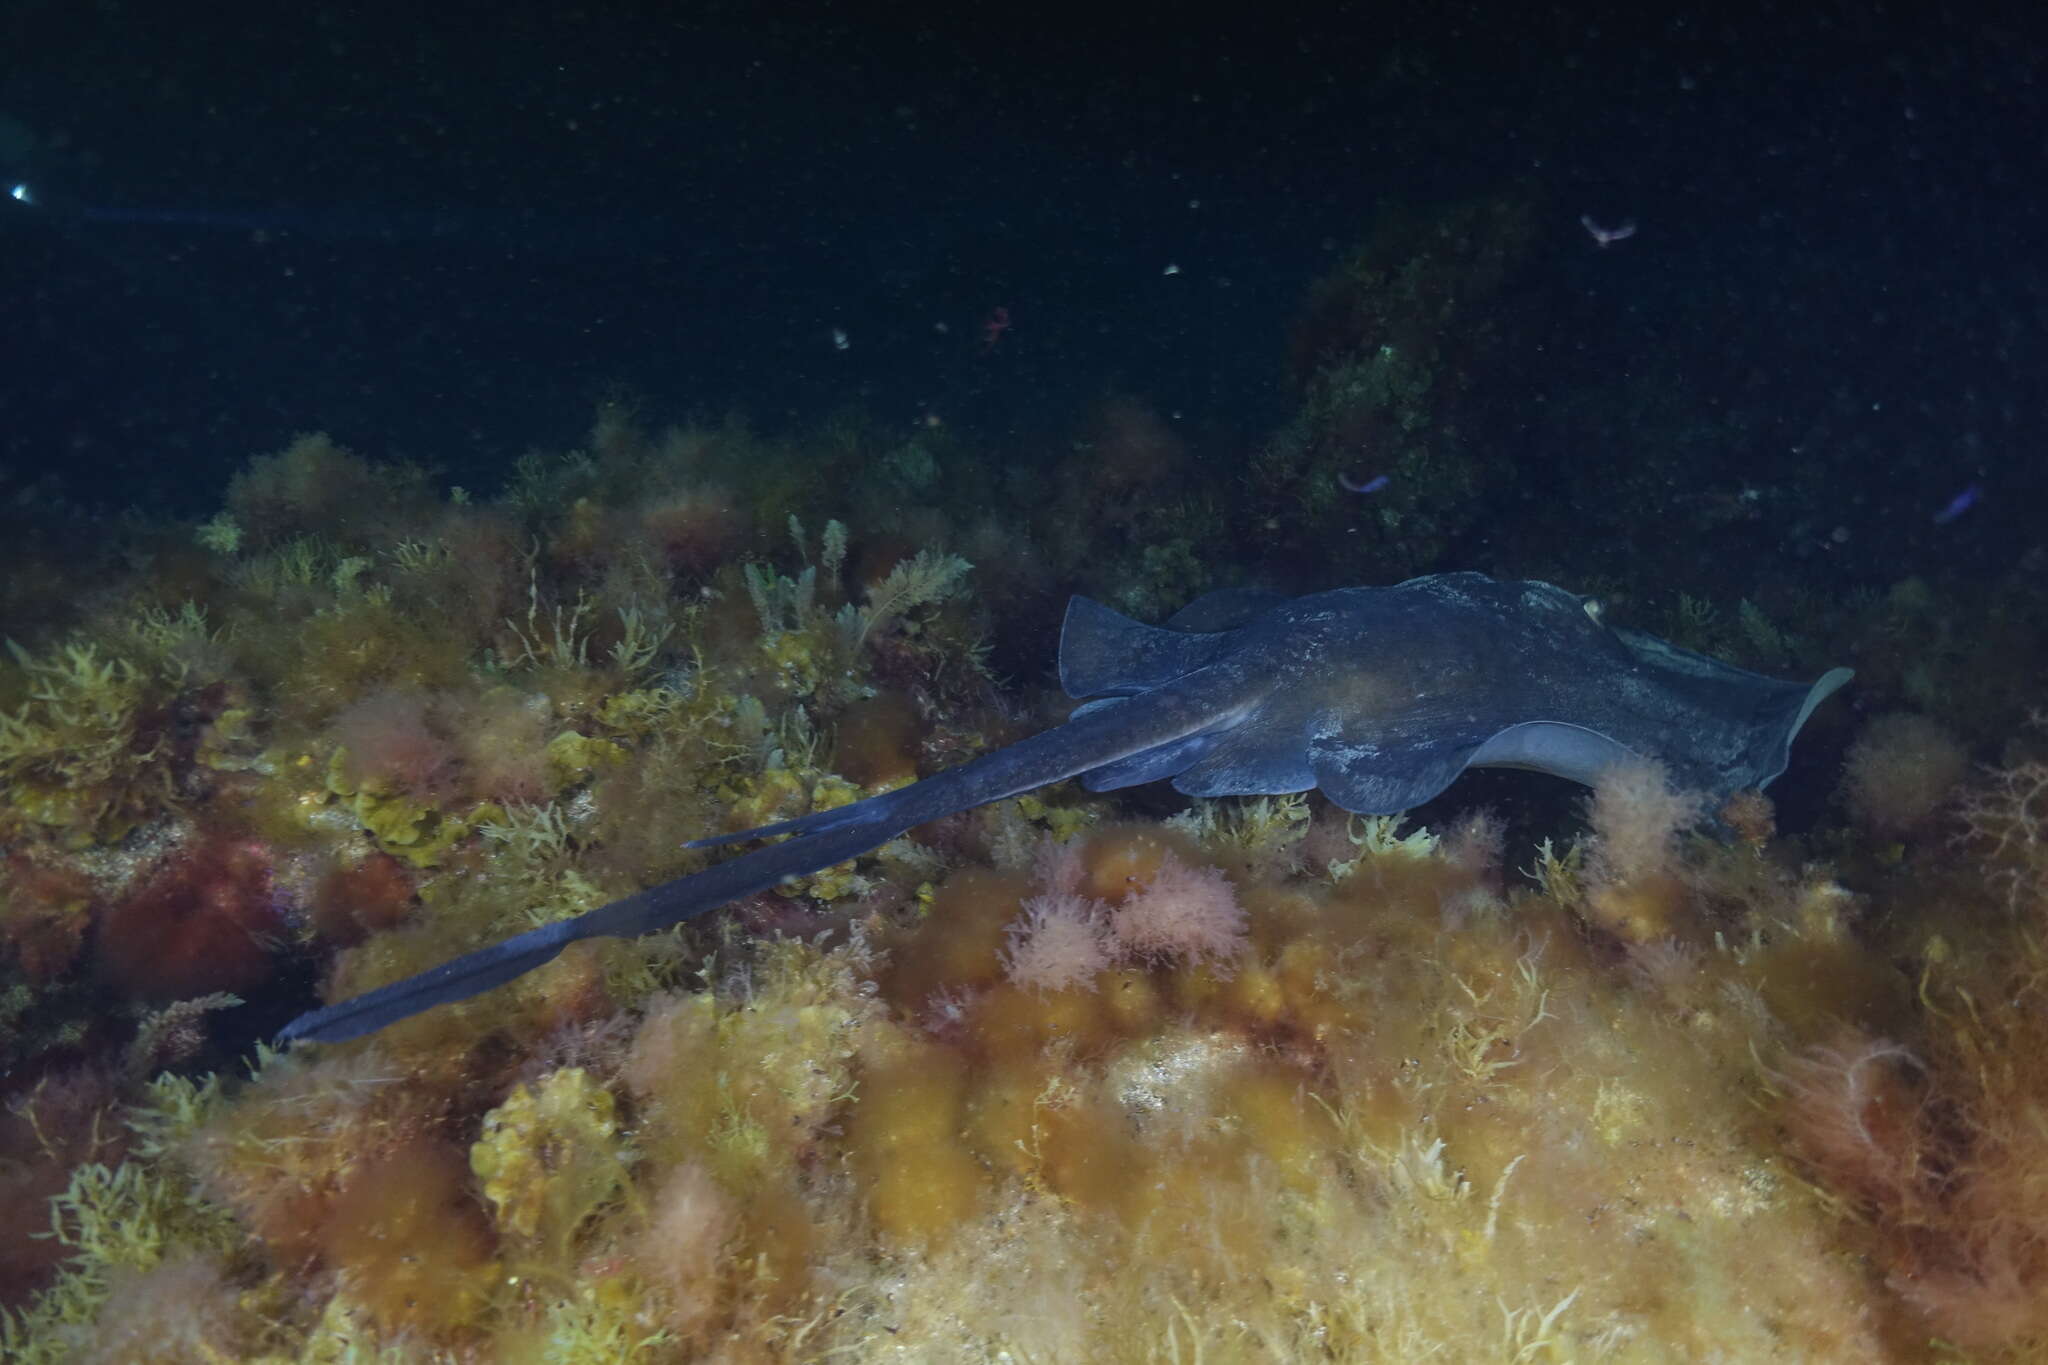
(57, 1125)
(358, 899)
(693, 532)
(395, 744)
(46, 916)
(203, 920)
(1181, 912)
(1057, 942)
(316, 487)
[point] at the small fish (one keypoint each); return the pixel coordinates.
(997, 323)
(1371, 485)
(1606, 236)
(1959, 504)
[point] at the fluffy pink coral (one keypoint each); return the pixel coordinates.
(1853, 1108)
(1477, 844)
(1900, 772)
(394, 743)
(1636, 814)
(1182, 912)
(503, 740)
(1058, 867)
(2006, 816)
(691, 1221)
(1059, 941)
(693, 531)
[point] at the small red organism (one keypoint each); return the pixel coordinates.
(200, 921)
(1057, 942)
(993, 326)
(354, 901)
(47, 1131)
(1854, 1111)
(44, 917)
(1752, 816)
(690, 1222)
(1182, 912)
(501, 739)
(395, 744)
(693, 532)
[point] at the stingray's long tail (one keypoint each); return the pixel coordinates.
(658, 907)
(1098, 736)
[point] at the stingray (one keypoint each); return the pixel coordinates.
(1379, 697)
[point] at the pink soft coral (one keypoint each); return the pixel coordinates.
(396, 743)
(1058, 867)
(1059, 941)
(1182, 912)
(1636, 814)
(1854, 1110)
(2005, 816)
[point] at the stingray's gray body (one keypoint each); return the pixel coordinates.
(1378, 696)
(1382, 696)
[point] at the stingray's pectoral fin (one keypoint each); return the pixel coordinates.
(1369, 780)
(471, 974)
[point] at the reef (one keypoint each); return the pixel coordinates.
(1070, 1077)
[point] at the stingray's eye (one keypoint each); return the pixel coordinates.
(1594, 610)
